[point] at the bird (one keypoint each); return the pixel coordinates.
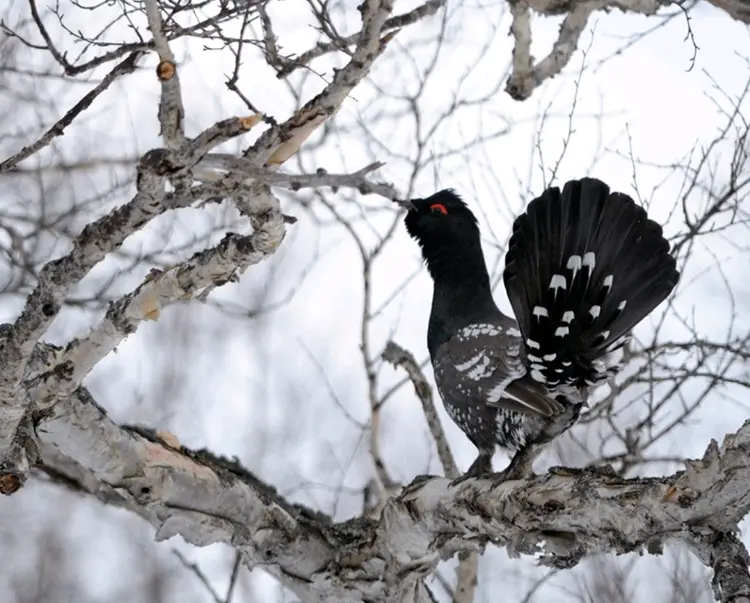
(583, 267)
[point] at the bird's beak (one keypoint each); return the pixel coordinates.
(406, 204)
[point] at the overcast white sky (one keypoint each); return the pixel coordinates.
(243, 385)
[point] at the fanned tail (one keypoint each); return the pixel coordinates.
(583, 267)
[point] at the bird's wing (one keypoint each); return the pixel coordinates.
(484, 363)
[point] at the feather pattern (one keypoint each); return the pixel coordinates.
(480, 372)
(583, 267)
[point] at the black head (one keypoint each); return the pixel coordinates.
(442, 219)
(445, 229)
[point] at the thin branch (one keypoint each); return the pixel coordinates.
(125, 67)
(276, 145)
(194, 569)
(209, 268)
(468, 565)
(171, 109)
(427, 9)
(527, 76)
(400, 357)
(212, 166)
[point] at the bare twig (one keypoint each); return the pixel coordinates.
(400, 357)
(125, 67)
(427, 9)
(207, 169)
(171, 109)
(195, 569)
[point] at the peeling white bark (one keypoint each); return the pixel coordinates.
(205, 499)
(182, 282)
(276, 145)
(207, 269)
(563, 515)
(526, 74)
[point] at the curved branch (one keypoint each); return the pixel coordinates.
(564, 515)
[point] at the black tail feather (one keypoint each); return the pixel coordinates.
(583, 267)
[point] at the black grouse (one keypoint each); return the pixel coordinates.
(583, 267)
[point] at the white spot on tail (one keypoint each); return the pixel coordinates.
(562, 331)
(595, 311)
(540, 311)
(608, 281)
(622, 305)
(513, 332)
(558, 282)
(537, 376)
(550, 357)
(574, 264)
(537, 367)
(568, 316)
(533, 344)
(589, 259)
(566, 363)
(533, 358)
(604, 334)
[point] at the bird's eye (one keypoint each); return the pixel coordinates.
(438, 207)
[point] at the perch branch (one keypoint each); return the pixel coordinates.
(563, 515)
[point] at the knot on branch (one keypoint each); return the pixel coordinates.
(250, 121)
(160, 162)
(154, 167)
(11, 481)
(166, 70)
(520, 86)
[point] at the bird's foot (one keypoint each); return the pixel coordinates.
(520, 466)
(510, 474)
(481, 466)
(565, 471)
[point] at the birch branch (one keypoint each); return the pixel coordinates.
(125, 67)
(563, 515)
(212, 166)
(203, 498)
(171, 109)
(55, 280)
(400, 357)
(468, 565)
(207, 269)
(279, 143)
(526, 74)
(427, 9)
